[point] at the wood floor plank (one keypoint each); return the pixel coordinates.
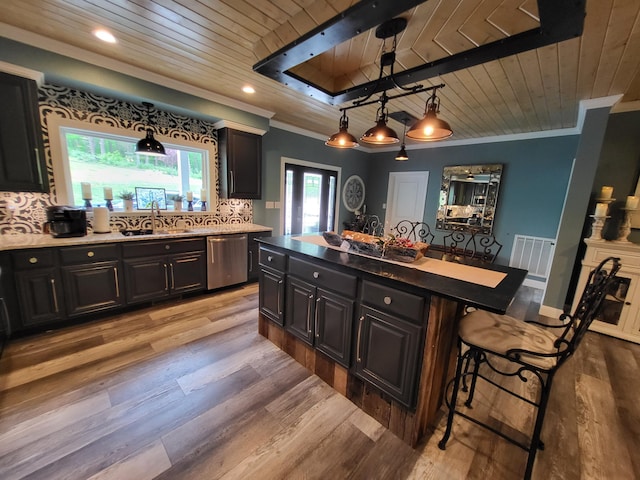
(145, 464)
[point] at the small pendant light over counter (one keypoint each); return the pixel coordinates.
(149, 145)
(402, 154)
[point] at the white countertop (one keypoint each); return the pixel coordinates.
(24, 240)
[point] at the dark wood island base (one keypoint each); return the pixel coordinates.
(381, 334)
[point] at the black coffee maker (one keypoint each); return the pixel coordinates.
(67, 221)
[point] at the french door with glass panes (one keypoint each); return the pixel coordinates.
(310, 199)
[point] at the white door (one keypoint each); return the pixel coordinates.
(406, 196)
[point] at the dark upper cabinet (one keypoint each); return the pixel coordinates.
(240, 161)
(22, 161)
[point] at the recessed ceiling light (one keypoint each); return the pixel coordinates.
(104, 35)
(248, 89)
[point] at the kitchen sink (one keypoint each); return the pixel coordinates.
(136, 232)
(172, 230)
(148, 231)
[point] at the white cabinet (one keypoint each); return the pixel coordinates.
(620, 316)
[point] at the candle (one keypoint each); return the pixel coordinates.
(606, 192)
(108, 193)
(189, 196)
(632, 202)
(601, 210)
(203, 195)
(86, 190)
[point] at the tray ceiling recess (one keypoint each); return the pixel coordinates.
(559, 20)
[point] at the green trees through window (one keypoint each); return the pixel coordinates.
(109, 161)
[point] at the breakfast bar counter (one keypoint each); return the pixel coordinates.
(380, 332)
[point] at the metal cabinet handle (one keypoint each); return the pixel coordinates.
(231, 182)
(55, 295)
(309, 313)
(5, 311)
(315, 320)
(279, 296)
(387, 300)
(115, 276)
(269, 258)
(173, 279)
(167, 247)
(316, 274)
(166, 278)
(250, 261)
(33, 260)
(359, 359)
(90, 254)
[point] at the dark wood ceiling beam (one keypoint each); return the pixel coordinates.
(559, 20)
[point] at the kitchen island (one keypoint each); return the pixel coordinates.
(382, 333)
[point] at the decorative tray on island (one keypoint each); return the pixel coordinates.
(389, 247)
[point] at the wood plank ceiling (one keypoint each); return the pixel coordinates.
(213, 45)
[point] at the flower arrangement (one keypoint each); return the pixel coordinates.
(176, 197)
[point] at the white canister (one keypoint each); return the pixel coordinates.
(101, 220)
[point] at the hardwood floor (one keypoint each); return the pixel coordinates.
(189, 390)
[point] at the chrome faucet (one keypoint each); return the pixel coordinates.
(153, 214)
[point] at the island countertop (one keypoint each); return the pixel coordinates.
(496, 299)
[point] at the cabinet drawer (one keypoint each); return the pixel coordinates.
(162, 247)
(275, 260)
(324, 277)
(30, 259)
(393, 301)
(88, 254)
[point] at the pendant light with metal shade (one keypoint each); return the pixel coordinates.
(342, 139)
(149, 145)
(381, 133)
(402, 154)
(430, 128)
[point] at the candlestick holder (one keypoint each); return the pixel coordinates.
(204, 206)
(596, 228)
(625, 227)
(87, 204)
(190, 205)
(109, 205)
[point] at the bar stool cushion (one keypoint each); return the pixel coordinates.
(501, 333)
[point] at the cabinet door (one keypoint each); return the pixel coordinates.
(92, 288)
(22, 162)
(300, 300)
(187, 273)
(271, 295)
(146, 279)
(40, 292)
(387, 354)
(240, 155)
(333, 325)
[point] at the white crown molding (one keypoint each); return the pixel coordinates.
(50, 45)
(22, 72)
(238, 126)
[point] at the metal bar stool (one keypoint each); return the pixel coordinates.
(523, 350)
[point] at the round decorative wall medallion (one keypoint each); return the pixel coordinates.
(353, 193)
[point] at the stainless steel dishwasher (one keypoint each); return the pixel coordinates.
(226, 260)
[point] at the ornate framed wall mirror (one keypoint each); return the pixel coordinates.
(468, 197)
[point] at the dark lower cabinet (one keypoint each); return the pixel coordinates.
(154, 278)
(92, 288)
(271, 295)
(387, 353)
(320, 318)
(299, 314)
(253, 257)
(40, 294)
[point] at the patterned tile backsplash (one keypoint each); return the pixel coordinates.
(25, 212)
